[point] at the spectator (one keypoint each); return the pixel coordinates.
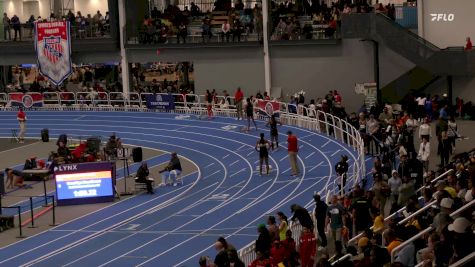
(394, 183)
(6, 27)
(226, 30)
(234, 259)
(406, 190)
(182, 33)
(320, 216)
(290, 249)
(264, 241)
(361, 212)
(424, 130)
(206, 30)
(283, 225)
(16, 24)
(221, 259)
(468, 45)
(444, 149)
(406, 255)
(335, 217)
(277, 253)
(273, 228)
(261, 261)
(424, 154)
(442, 219)
(301, 214)
(308, 247)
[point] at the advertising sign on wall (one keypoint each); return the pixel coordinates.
(160, 101)
(446, 23)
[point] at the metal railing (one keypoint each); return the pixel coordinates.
(467, 259)
(396, 213)
(435, 180)
(429, 229)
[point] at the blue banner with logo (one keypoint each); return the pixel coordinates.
(160, 101)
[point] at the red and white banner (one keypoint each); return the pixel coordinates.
(53, 50)
(268, 108)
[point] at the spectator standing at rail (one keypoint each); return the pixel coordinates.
(301, 214)
(15, 21)
(274, 133)
(335, 216)
(238, 97)
(283, 225)
(221, 259)
(320, 216)
(21, 117)
(468, 45)
(308, 248)
(6, 27)
(273, 228)
(262, 146)
(424, 154)
(263, 242)
(293, 149)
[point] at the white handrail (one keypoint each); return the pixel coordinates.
(464, 260)
(428, 229)
(419, 211)
(401, 209)
(435, 180)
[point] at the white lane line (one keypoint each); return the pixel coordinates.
(227, 155)
(233, 163)
(80, 117)
(318, 165)
(207, 176)
(250, 153)
(282, 159)
(286, 170)
(209, 165)
(328, 142)
(236, 173)
(336, 152)
(309, 155)
(241, 147)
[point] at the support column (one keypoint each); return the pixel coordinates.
(265, 38)
(450, 93)
(58, 8)
(124, 62)
(379, 96)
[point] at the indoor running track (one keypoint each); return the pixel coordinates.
(224, 197)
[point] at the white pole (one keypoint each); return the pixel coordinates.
(124, 61)
(265, 37)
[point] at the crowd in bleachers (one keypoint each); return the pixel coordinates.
(398, 199)
(81, 26)
(223, 22)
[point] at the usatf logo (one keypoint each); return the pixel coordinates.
(443, 17)
(53, 49)
(159, 98)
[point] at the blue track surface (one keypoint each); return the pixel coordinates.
(225, 197)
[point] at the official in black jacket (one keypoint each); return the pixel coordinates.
(341, 168)
(302, 215)
(320, 215)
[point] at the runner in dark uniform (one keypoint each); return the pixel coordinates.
(250, 114)
(274, 134)
(262, 146)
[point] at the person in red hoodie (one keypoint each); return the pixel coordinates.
(308, 248)
(261, 261)
(290, 251)
(277, 253)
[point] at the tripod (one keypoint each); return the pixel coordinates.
(125, 160)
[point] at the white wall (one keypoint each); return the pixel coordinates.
(446, 33)
(91, 6)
